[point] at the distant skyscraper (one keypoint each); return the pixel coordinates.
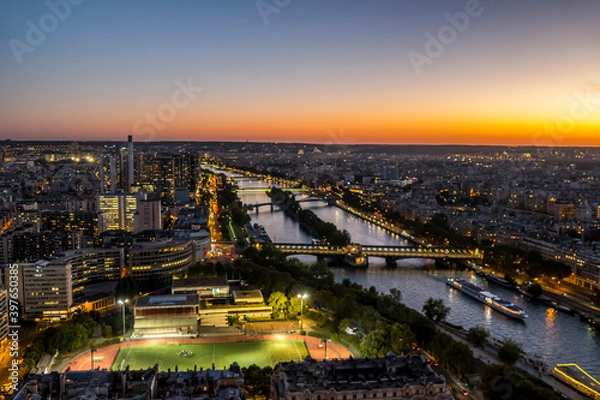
(101, 162)
(129, 163)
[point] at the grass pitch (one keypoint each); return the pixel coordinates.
(185, 356)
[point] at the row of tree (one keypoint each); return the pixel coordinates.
(509, 259)
(65, 338)
(324, 230)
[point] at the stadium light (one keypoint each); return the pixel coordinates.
(122, 303)
(302, 297)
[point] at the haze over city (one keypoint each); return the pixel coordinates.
(461, 72)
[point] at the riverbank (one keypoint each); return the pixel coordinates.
(380, 222)
(489, 355)
(580, 304)
(546, 332)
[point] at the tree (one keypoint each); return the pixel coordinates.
(279, 302)
(126, 288)
(459, 357)
(293, 308)
(535, 290)
(344, 323)
(510, 352)
(257, 380)
(435, 310)
(500, 382)
(374, 343)
(477, 335)
(396, 294)
(107, 331)
(401, 337)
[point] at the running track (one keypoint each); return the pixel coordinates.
(82, 362)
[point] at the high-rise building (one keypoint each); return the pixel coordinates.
(113, 175)
(45, 290)
(148, 216)
(130, 181)
(119, 210)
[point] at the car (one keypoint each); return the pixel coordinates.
(465, 392)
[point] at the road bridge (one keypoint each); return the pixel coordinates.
(280, 204)
(390, 253)
(265, 189)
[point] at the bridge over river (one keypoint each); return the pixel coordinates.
(357, 255)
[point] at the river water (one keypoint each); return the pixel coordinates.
(553, 336)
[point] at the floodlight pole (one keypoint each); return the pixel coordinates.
(122, 303)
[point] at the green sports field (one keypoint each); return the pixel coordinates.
(262, 353)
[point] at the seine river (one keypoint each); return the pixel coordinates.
(553, 336)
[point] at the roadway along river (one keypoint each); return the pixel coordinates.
(554, 336)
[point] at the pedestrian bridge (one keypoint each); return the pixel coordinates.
(389, 252)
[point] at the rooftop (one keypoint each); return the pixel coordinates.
(359, 374)
(167, 301)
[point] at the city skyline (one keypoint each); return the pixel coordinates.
(459, 72)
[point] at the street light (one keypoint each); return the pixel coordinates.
(122, 303)
(301, 297)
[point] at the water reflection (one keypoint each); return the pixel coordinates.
(554, 336)
(488, 315)
(550, 317)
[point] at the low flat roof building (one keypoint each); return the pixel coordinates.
(208, 287)
(170, 315)
(254, 296)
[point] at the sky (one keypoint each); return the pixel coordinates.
(514, 72)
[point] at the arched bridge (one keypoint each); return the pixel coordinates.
(389, 252)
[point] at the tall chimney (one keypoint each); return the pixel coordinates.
(130, 163)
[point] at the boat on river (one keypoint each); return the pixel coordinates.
(502, 306)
